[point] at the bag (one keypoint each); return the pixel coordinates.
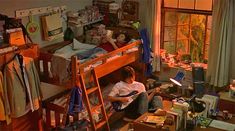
(68, 34)
(14, 31)
(52, 27)
(15, 36)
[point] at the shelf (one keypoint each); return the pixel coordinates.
(85, 24)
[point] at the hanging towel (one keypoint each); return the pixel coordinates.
(75, 104)
(146, 57)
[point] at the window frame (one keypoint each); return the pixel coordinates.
(188, 11)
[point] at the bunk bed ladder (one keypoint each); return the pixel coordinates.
(94, 89)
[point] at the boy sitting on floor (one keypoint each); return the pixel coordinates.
(142, 103)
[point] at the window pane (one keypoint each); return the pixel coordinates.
(187, 4)
(183, 32)
(196, 52)
(169, 33)
(198, 29)
(170, 18)
(203, 4)
(170, 3)
(198, 19)
(193, 32)
(208, 35)
(206, 51)
(182, 46)
(169, 47)
(183, 18)
(209, 22)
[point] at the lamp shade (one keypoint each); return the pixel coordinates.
(178, 78)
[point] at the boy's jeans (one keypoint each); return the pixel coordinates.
(141, 105)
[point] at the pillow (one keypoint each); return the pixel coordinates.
(76, 44)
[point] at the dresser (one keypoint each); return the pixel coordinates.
(226, 102)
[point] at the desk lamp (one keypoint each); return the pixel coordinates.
(178, 78)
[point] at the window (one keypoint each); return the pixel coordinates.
(186, 28)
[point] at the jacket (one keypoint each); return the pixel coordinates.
(75, 104)
(15, 89)
(146, 51)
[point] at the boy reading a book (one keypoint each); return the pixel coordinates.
(134, 107)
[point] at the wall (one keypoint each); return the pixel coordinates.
(8, 7)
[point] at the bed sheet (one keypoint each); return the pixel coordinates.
(68, 51)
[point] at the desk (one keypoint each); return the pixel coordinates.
(226, 102)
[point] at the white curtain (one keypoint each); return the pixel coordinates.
(221, 42)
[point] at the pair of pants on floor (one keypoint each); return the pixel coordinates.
(141, 105)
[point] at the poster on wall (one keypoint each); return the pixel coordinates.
(52, 27)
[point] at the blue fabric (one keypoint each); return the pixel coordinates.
(75, 104)
(91, 53)
(146, 51)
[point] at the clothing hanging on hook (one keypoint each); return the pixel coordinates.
(22, 86)
(21, 62)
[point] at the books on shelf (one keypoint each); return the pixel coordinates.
(80, 22)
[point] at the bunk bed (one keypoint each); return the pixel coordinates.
(103, 65)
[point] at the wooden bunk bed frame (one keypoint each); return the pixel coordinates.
(107, 67)
(101, 70)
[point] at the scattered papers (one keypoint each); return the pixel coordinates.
(155, 119)
(222, 125)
